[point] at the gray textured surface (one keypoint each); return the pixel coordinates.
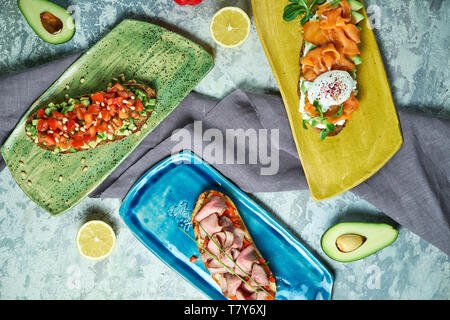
(38, 258)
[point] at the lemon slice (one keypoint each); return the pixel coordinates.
(230, 27)
(95, 240)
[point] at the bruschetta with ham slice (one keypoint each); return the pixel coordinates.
(228, 251)
(92, 120)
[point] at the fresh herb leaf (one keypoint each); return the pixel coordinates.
(330, 126)
(314, 123)
(318, 108)
(304, 124)
(306, 18)
(340, 111)
(300, 8)
(324, 134)
(292, 11)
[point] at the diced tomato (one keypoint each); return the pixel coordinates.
(118, 122)
(53, 123)
(76, 143)
(110, 95)
(117, 87)
(70, 125)
(78, 136)
(71, 115)
(98, 97)
(42, 125)
(94, 108)
(112, 110)
(49, 140)
(135, 115)
(105, 115)
(110, 129)
(88, 119)
(80, 112)
(87, 138)
(41, 113)
(118, 101)
(138, 105)
(123, 113)
(58, 115)
(93, 132)
(123, 94)
(62, 145)
(102, 126)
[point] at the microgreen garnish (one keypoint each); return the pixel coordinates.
(329, 127)
(300, 8)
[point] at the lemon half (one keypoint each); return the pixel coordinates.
(230, 27)
(95, 240)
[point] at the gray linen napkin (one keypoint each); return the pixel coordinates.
(412, 188)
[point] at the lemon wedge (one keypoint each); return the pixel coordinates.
(230, 27)
(95, 240)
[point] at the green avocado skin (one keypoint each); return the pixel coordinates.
(378, 236)
(31, 10)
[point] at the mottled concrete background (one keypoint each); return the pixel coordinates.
(38, 258)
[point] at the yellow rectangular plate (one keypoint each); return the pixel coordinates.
(338, 163)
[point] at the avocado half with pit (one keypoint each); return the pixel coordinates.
(351, 241)
(51, 23)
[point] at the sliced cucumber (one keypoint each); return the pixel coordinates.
(357, 60)
(357, 17)
(355, 5)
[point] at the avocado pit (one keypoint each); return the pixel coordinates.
(51, 23)
(349, 242)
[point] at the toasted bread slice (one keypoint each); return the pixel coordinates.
(138, 123)
(232, 212)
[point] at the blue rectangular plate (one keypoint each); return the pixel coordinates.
(161, 203)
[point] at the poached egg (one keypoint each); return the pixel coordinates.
(331, 88)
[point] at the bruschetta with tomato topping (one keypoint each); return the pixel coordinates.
(228, 251)
(92, 120)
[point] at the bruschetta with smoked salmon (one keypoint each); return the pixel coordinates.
(92, 120)
(228, 251)
(328, 61)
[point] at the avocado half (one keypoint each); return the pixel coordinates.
(51, 22)
(351, 241)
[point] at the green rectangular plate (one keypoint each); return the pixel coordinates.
(149, 54)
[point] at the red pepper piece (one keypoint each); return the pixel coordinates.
(188, 2)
